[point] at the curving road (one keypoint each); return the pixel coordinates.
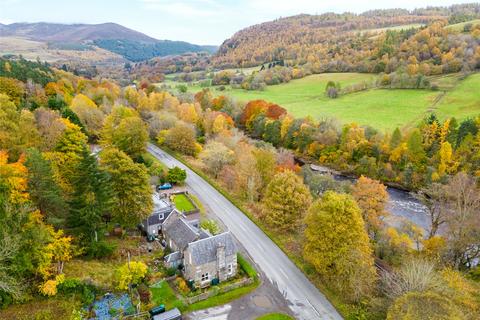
(305, 301)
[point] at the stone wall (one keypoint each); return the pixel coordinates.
(218, 290)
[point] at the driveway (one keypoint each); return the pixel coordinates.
(265, 299)
(303, 298)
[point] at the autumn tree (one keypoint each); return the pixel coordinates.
(9, 125)
(124, 130)
(265, 162)
(132, 194)
(176, 175)
(463, 220)
(371, 196)
(337, 244)
(130, 273)
(285, 202)
(88, 113)
(215, 156)
(435, 198)
(180, 138)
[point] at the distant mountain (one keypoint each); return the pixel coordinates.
(340, 39)
(138, 51)
(131, 44)
(55, 32)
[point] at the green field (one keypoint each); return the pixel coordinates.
(463, 101)
(459, 26)
(394, 28)
(384, 109)
(182, 203)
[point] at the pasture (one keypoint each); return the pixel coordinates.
(463, 101)
(459, 26)
(383, 109)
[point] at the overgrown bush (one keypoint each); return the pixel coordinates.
(100, 249)
(144, 293)
(74, 286)
(246, 267)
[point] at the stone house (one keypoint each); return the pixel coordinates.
(162, 208)
(203, 258)
(211, 258)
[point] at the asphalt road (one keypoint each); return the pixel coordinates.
(304, 299)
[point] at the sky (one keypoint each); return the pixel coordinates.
(196, 21)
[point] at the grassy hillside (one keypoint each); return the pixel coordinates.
(460, 26)
(384, 109)
(463, 101)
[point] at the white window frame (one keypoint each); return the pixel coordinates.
(230, 269)
(161, 216)
(205, 277)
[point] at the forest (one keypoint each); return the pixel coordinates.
(74, 166)
(137, 51)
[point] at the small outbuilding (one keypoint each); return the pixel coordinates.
(173, 314)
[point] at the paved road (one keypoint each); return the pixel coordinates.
(305, 301)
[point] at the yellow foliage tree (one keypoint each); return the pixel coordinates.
(130, 273)
(371, 196)
(337, 244)
(447, 165)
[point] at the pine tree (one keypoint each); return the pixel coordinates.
(91, 199)
(44, 191)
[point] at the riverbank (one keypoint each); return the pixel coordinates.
(402, 204)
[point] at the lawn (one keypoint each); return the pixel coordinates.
(275, 316)
(463, 101)
(163, 294)
(182, 203)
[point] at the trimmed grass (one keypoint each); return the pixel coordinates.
(182, 203)
(275, 316)
(223, 298)
(463, 101)
(163, 294)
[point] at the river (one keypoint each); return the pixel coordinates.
(402, 205)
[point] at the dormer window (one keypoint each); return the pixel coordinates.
(161, 216)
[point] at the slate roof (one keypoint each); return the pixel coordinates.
(205, 250)
(181, 232)
(168, 315)
(174, 256)
(160, 205)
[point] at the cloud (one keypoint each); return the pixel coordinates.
(185, 8)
